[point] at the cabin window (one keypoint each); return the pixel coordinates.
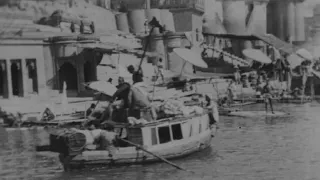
(176, 132)
(154, 140)
(164, 134)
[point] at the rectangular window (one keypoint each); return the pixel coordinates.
(176, 132)
(164, 134)
(154, 140)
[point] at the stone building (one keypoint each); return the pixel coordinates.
(286, 19)
(187, 14)
(22, 66)
(39, 63)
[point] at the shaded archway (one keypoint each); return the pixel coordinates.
(16, 79)
(88, 72)
(68, 73)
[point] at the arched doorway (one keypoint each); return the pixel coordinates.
(87, 68)
(16, 78)
(68, 73)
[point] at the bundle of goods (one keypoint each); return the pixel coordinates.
(73, 141)
(135, 121)
(175, 107)
(68, 142)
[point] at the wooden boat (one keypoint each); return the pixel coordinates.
(295, 100)
(241, 103)
(30, 120)
(169, 138)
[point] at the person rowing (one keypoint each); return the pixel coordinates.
(267, 94)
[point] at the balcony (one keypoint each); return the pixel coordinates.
(197, 5)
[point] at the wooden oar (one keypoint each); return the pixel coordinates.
(159, 157)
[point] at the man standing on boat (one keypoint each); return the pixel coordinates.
(237, 75)
(231, 91)
(267, 93)
(158, 70)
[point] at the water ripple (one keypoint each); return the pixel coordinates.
(264, 148)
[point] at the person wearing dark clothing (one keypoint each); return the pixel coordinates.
(72, 28)
(122, 92)
(137, 75)
(81, 27)
(267, 93)
(92, 27)
(90, 110)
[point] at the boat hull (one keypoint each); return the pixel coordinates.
(133, 155)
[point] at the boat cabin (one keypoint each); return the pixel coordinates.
(167, 130)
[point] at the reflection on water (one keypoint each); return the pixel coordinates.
(245, 148)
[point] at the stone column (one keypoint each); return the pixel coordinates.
(9, 80)
(291, 23)
(258, 17)
(24, 77)
(299, 18)
(280, 20)
(234, 16)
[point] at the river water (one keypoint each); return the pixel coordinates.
(264, 148)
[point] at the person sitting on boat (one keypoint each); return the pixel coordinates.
(90, 109)
(47, 115)
(121, 94)
(267, 93)
(231, 91)
(137, 74)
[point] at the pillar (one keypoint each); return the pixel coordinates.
(258, 18)
(24, 77)
(280, 19)
(234, 16)
(299, 18)
(291, 23)
(9, 80)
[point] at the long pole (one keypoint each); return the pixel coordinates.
(159, 157)
(145, 48)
